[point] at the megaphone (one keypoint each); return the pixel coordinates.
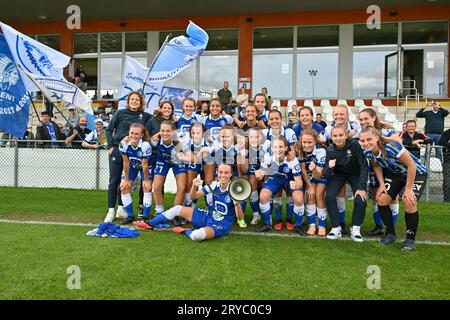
(240, 189)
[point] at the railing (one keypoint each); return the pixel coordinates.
(23, 166)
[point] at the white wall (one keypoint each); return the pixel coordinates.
(59, 168)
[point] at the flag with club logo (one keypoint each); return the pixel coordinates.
(14, 99)
(133, 77)
(173, 57)
(61, 90)
(34, 57)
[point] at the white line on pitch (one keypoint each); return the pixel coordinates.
(241, 233)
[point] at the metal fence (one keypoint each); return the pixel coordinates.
(25, 164)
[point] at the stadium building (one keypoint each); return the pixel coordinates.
(299, 50)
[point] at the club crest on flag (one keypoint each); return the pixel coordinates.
(9, 75)
(36, 57)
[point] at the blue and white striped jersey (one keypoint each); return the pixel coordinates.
(285, 170)
(213, 126)
(318, 156)
(136, 155)
(391, 163)
(288, 133)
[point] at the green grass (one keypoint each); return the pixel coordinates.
(158, 265)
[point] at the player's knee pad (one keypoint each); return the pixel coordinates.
(198, 235)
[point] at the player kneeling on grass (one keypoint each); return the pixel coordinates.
(214, 223)
(395, 169)
(135, 155)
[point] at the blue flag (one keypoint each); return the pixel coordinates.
(173, 57)
(14, 99)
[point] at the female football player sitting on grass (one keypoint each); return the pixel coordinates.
(207, 225)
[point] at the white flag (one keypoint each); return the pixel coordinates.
(61, 90)
(174, 57)
(133, 77)
(34, 57)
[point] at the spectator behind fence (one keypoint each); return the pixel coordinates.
(434, 123)
(77, 134)
(27, 140)
(96, 138)
(414, 140)
(73, 120)
(445, 142)
(49, 130)
(226, 97)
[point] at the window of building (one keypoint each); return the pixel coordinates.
(111, 42)
(425, 32)
(318, 36)
(85, 43)
(324, 83)
(111, 77)
(136, 42)
(215, 69)
(273, 71)
(387, 34)
(435, 73)
(52, 41)
(273, 38)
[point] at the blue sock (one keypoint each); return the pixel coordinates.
(342, 216)
(278, 212)
(129, 210)
(147, 211)
(255, 206)
(188, 233)
(267, 215)
(159, 219)
(377, 218)
(298, 219)
(243, 206)
(312, 219)
(394, 218)
(289, 212)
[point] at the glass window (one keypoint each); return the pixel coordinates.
(111, 74)
(266, 38)
(435, 73)
(111, 42)
(387, 34)
(368, 73)
(53, 41)
(320, 36)
(85, 43)
(424, 32)
(324, 83)
(90, 69)
(173, 34)
(273, 71)
(214, 70)
(185, 79)
(136, 42)
(220, 40)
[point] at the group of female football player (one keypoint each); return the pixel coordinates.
(307, 167)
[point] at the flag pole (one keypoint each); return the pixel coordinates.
(154, 61)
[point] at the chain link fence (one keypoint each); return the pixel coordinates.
(28, 164)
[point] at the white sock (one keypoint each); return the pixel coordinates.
(147, 199)
(187, 198)
(111, 210)
(395, 207)
(159, 208)
(173, 212)
(340, 203)
(198, 235)
(126, 199)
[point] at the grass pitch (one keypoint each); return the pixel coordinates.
(162, 265)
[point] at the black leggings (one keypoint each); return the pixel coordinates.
(115, 175)
(334, 184)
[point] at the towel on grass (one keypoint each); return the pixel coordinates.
(111, 230)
